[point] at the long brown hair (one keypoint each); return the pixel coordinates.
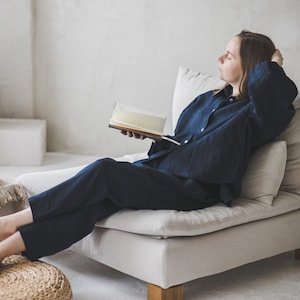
(254, 49)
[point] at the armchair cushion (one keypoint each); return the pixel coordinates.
(291, 135)
(265, 172)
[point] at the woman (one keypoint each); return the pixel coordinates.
(217, 132)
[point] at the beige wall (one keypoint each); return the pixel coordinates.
(16, 93)
(90, 53)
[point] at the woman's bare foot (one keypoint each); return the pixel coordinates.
(14, 244)
(10, 223)
(6, 228)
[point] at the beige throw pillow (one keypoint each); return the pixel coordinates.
(265, 172)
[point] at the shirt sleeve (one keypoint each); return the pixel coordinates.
(272, 94)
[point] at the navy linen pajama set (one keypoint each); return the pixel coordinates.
(217, 134)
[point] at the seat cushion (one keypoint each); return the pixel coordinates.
(170, 223)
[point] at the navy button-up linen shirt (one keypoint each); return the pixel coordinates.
(218, 133)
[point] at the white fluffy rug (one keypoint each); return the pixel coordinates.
(275, 278)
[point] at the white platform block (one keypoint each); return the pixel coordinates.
(22, 141)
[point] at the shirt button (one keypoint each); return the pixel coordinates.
(230, 100)
(213, 110)
(202, 129)
(186, 141)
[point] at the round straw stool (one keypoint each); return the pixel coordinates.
(22, 279)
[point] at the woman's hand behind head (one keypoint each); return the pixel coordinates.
(277, 57)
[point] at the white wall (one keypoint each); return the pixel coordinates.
(90, 53)
(16, 99)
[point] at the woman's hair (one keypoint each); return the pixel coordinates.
(254, 49)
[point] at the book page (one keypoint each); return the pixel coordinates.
(129, 118)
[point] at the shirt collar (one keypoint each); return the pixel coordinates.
(228, 90)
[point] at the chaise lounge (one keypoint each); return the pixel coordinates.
(168, 248)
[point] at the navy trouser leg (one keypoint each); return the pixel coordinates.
(106, 186)
(58, 233)
(127, 185)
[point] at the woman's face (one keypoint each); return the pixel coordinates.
(230, 66)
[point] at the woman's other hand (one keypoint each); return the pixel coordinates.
(133, 134)
(277, 57)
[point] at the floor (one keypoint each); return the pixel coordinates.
(276, 278)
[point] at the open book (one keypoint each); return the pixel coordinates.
(125, 117)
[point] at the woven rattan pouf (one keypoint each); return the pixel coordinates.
(22, 279)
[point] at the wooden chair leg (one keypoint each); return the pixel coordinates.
(297, 254)
(158, 293)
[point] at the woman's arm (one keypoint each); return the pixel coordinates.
(271, 93)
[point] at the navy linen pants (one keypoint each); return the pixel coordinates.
(67, 212)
